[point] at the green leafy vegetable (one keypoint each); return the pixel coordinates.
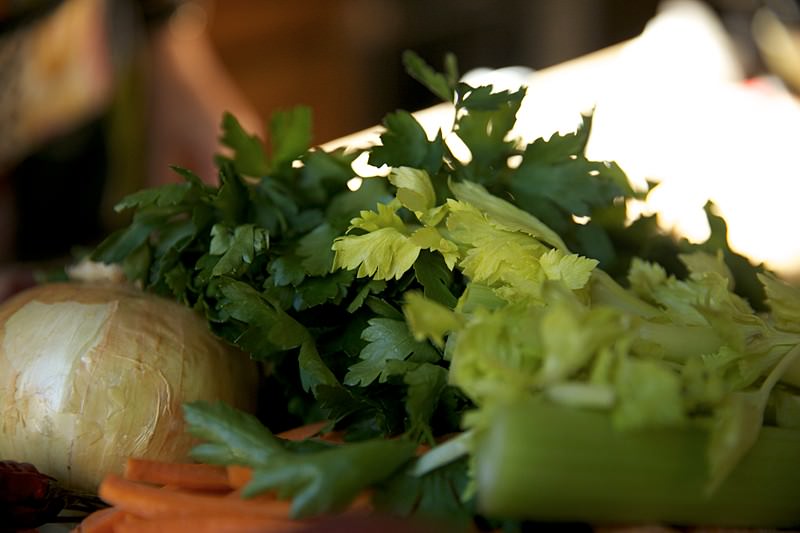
(594, 367)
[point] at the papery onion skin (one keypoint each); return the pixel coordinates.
(92, 373)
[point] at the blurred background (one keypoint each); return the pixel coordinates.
(342, 57)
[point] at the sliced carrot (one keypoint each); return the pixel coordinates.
(239, 476)
(101, 521)
(187, 475)
(361, 503)
(334, 437)
(304, 432)
(207, 492)
(224, 523)
(147, 501)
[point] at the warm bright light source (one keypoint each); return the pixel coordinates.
(671, 106)
(354, 183)
(681, 114)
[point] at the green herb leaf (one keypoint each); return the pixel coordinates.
(250, 158)
(405, 143)
(439, 84)
(425, 385)
(261, 326)
(438, 495)
(290, 136)
(432, 273)
(233, 436)
(387, 339)
(313, 370)
(326, 481)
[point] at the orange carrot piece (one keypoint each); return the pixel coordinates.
(221, 523)
(239, 476)
(186, 475)
(303, 432)
(147, 501)
(101, 521)
(361, 503)
(334, 437)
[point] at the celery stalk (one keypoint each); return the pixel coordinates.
(550, 463)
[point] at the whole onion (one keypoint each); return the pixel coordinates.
(92, 373)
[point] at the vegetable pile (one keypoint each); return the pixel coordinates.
(562, 362)
(173, 496)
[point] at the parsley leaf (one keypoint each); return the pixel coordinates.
(435, 278)
(387, 339)
(256, 324)
(484, 129)
(237, 249)
(426, 382)
(438, 495)
(249, 156)
(442, 85)
(290, 136)
(326, 481)
(405, 143)
(232, 436)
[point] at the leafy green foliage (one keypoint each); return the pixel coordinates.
(325, 481)
(230, 436)
(405, 143)
(424, 300)
(387, 340)
(485, 126)
(437, 495)
(318, 481)
(442, 85)
(249, 158)
(557, 183)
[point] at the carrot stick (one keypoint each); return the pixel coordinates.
(334, 437)
(101, 521)
(211, 524)
(239, 476)
(147, 501)
(303, 432)
(186, 475)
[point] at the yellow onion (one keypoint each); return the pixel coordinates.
(92, 373)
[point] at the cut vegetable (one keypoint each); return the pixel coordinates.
(149, 502)
(548, 462)
(185, 475)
